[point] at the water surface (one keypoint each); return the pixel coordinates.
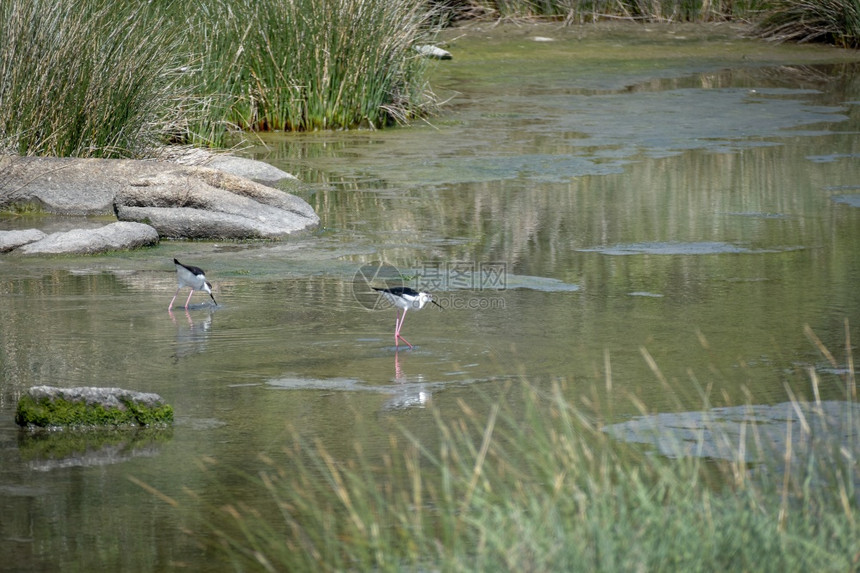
(597, 197)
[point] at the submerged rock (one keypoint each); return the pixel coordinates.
(753, 433)
(52, 407)
(10, 240)
(114, 237)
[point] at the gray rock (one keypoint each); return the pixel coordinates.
(113, 237)
(187, 223)
(10, 240)
(62, 186)
(430, 51)
(259, 171)
(199, 202)
(95, 396)
(214, 203)
(49, 406)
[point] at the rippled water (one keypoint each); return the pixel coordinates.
(578, 201)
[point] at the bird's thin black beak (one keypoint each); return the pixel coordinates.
(436, 303)
(213, 299)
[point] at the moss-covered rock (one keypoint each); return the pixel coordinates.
(48, 407)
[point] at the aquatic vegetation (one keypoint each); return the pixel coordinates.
(23, 208)
(530, 482)
(94, 78)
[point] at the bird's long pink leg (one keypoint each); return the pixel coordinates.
(188, 299)
(396, 327)
(399, 326)
(173, 299)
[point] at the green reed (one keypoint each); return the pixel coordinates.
(529, 482)
(93, 78)
(101, 78)
(313, 64)
(831, 21)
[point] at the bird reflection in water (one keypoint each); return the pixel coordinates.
(406, 394)
(191, 338)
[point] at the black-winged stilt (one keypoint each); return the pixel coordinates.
(405, 298)
(192, 277)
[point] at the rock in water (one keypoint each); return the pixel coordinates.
(51, 407)
(10, 240)
(429, 51)
(118, 236)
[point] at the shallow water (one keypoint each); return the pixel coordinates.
(591, 197)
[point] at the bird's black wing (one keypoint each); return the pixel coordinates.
(398, 291)
(190, 268)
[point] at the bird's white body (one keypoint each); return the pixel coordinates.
(405, 298)
(408, 299)
(193, 278)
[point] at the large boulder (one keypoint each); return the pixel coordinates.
(113, 237)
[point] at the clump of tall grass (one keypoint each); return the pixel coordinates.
(832, 21)
(529, 482)
(313, 64)
(93, 78)
(102, 78)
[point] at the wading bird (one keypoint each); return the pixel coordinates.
(192, 277)
(405, 298)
